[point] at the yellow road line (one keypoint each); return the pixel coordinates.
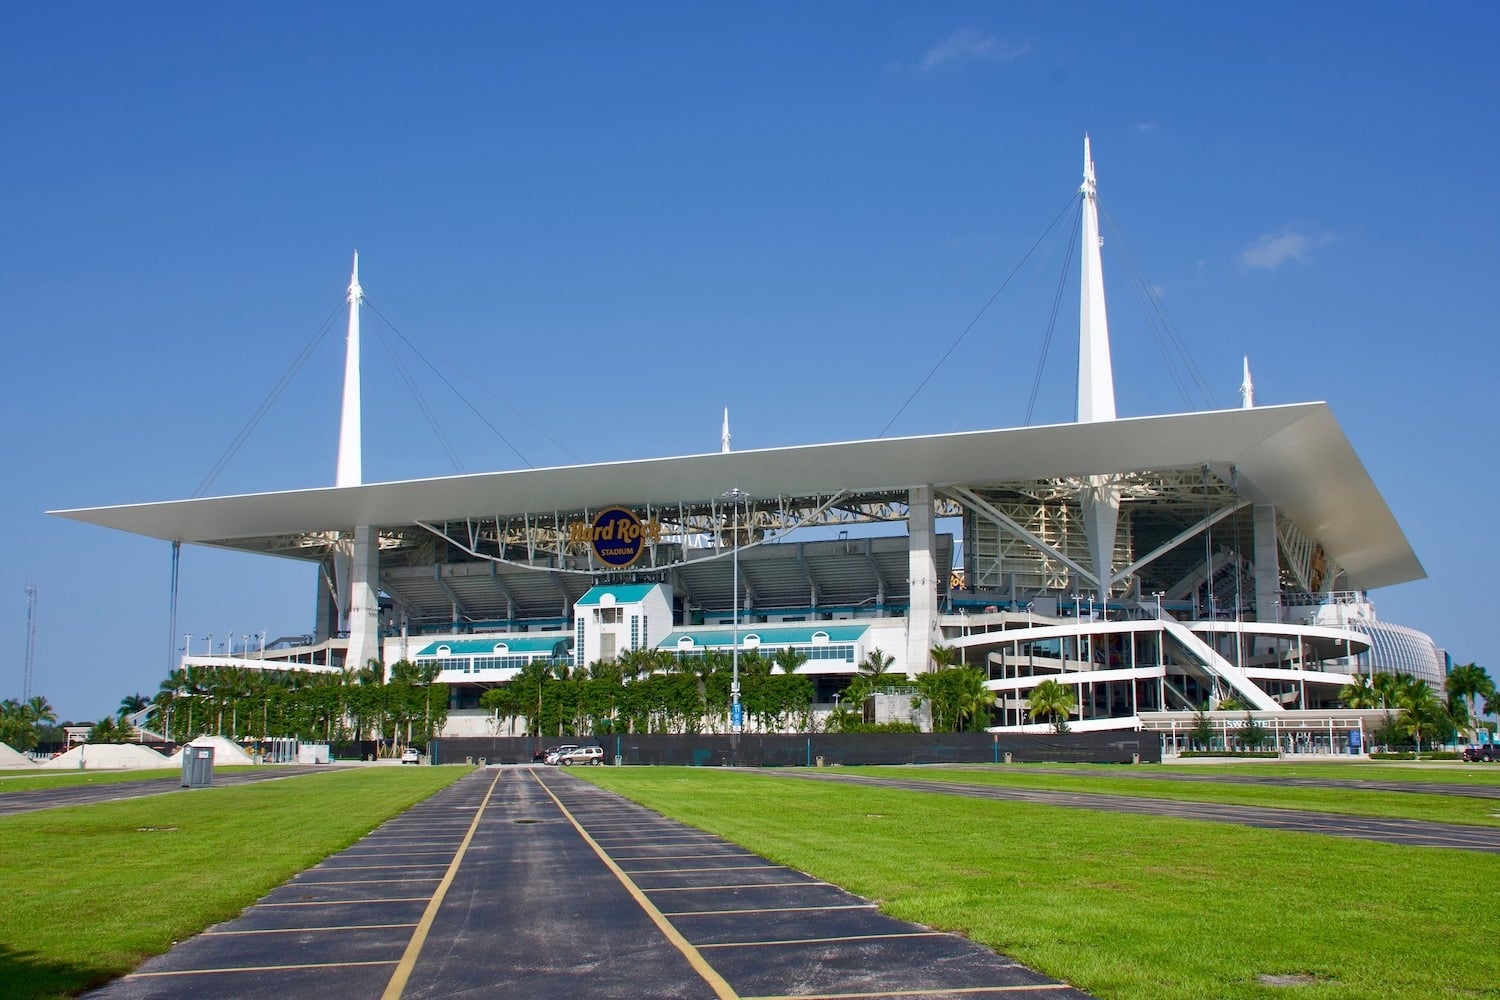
(419, 937)
(700, 965)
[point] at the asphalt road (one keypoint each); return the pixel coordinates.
(1407, 832)
(524, 881)
(1277, 780)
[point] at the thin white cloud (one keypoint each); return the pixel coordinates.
(967, 46)
(1146, 128)
(1274, 249)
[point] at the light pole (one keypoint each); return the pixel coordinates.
(736, 713)
(1158, 595)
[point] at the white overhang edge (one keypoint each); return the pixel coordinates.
(1293, 456)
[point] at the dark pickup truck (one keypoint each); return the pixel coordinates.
(1486, 753)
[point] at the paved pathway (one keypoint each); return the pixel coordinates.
(1275, 780)
(529, 882)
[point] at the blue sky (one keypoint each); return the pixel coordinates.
(606, 222)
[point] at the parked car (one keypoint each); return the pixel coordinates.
(582, 755)
(1486, 753)
(411, 755)
(555, 753)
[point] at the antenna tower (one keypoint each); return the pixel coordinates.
(30, 642)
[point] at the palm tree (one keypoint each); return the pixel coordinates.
(1388, 687)
(1420, 710)
(943, 657)
(1360, 693)
(1466, 684)
(788, 659)
(41, 711)
(872, 671)
(970, 697)
(1051, 700)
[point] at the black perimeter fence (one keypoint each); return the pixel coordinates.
(817, 749)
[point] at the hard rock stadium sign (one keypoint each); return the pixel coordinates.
(617, 535)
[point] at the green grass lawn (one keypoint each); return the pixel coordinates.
(1122, 906)
(91, 891)
(1352, 801)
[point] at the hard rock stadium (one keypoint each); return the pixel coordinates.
(1153, 565)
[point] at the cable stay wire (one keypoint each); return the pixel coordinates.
(1157, 313)
(977, 316)
(422, 404)
(1057, 296)
(476, 411)
(267, 403)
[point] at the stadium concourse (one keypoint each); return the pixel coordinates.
(1153, 565)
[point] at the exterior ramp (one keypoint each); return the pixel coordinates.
(1219, 667)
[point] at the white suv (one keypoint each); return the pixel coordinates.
(555, 755)
(582, 755)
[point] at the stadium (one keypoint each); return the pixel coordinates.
(1155, 566)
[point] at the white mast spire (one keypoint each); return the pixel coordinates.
(1099, 501)
(1096, 379)
(350, 467)
(724, 439)
(1247, 389)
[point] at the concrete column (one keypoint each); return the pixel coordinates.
(364, 599)
(1267, 562)
(921, 620)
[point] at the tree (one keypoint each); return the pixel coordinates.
(1252, 734)
(1465, 685)
(958, 697)
(871, 677)
(1360, 693)
(944, 657)
(1051, 700)
(1203, 728)
(1420, 711)
(107, 730)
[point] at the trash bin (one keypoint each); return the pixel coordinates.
(619, 760)
(1135, 758)
(469, 759)
(1007, 756)
(820, 760)
(197, 767)
(484, 762)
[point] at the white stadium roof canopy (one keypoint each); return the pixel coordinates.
(1294, 456)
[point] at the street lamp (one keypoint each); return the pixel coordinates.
(736, 713)
(1158, 595)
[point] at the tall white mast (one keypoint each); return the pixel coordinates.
(724, 438)
(1096, 379)
(1247, 389)
(1100, 499)
(350, 468)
